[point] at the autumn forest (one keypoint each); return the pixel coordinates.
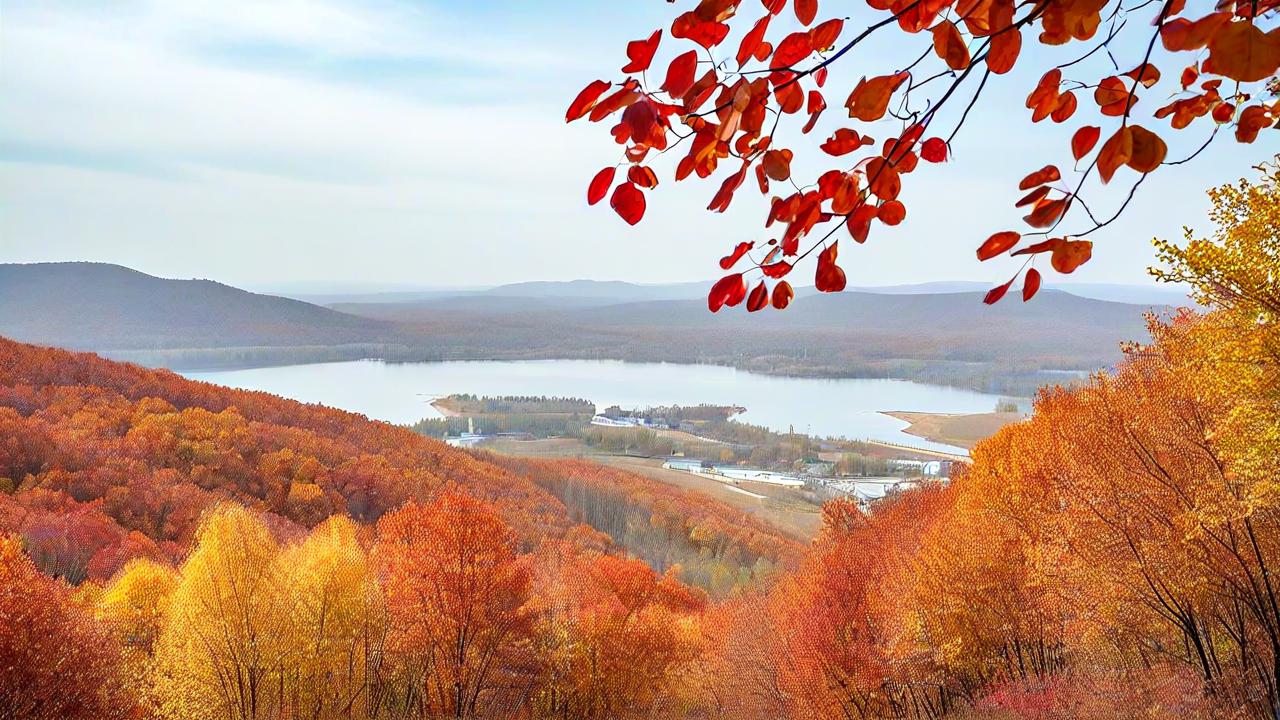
(174, 549)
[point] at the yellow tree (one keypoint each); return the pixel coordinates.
(223, 649)
(338, 625)
(135, 602)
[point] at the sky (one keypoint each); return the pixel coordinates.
(392, 144)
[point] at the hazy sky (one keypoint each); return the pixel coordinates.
(423, 143)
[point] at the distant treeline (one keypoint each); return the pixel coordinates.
(468, 404)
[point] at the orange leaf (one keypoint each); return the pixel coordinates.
(600, 185)
(1148, 150)
(1146, 73)
(883, 179)
(1065, 108)
(1115, 152)
(1004, 51)
(997, 244)
(1181, 34)
(640, 52)
(870, 98)
(1241, 51)
(1084, 140)
(949, 45)
(643, 176)
(1071, 254)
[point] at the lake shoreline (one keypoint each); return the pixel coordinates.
(202, 360)
(960, 429)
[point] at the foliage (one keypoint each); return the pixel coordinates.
(729, 108)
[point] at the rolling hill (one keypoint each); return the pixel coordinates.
(105, 307)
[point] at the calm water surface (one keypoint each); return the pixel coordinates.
(402, 392)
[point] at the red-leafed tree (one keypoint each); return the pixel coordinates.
(55, 661)
(737, 70)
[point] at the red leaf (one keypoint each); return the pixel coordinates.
(806, 10)
(732, 258)
(892, 212)
(829, 277)
(1084, 140)
(934, 150)
(997, 244)
(600, 185)
(793, 48)
(758, 299)
(728, 290)
(994, 294)
(1033, 197)
(707, 33)
(843, 142)
(643, 176)
(680, 74)
(1046, 174)
(641, 53)
(1046, 212)
(628, 202)
(825, 35)
(752, 40)
(586, 100)
(776, 270)
(782, 294)
(1031, 285)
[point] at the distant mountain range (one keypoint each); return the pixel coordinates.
(937, 332)
(610, 292)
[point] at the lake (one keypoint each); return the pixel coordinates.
(402, 392)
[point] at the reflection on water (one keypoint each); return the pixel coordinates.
(402, 392)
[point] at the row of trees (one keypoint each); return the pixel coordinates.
(432, 613)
